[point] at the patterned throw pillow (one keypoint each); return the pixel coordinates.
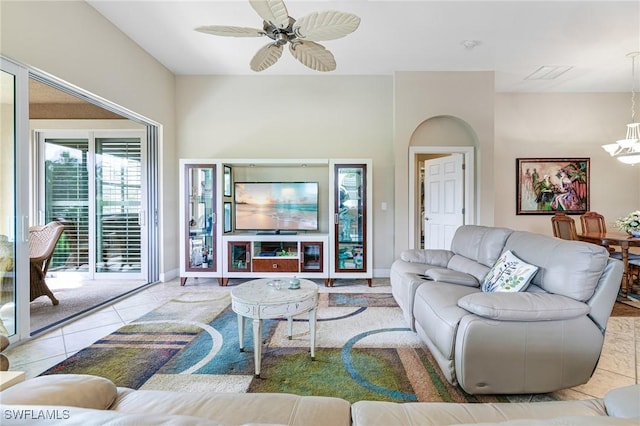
(509, 274)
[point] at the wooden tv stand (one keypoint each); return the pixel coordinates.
(275, 255)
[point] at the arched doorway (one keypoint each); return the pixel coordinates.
(437, 137)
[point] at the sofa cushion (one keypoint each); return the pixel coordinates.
(465, 265)
(509, 274)
(482, 244)
(238, 408)
(381, 413)
(569, 268)
(429, 257)
(437, 313)
(450, 276)
(24, 415)
(527, 306)
(75, 390)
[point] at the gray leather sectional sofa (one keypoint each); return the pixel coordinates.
(69, 399)
(545, 338)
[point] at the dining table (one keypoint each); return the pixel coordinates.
(622, 240)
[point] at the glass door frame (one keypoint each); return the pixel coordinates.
(21, 198)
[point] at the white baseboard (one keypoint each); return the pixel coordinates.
(169, 275)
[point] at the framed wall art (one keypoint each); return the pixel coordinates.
(550, 185)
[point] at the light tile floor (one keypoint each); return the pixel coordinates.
(619, 364)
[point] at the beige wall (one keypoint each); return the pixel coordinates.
(419, 96)
(71, 41)
(564, 125)
(295, 117)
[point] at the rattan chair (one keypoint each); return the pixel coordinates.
(42, 242)
(564, 226)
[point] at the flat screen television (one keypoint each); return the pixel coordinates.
(276, 206)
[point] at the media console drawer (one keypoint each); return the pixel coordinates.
(275, 264)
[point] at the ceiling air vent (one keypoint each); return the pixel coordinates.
(548, 72)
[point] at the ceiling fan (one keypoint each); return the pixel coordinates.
(301, 34)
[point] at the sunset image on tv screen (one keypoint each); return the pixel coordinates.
(276, 205)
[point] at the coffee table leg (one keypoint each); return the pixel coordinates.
(312, 333)
(257, 345)
(241, 331)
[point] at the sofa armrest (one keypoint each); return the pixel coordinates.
(623, 402)
(451, 276)
(429, 257)
(523, 306)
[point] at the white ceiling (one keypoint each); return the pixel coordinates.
(516, 38)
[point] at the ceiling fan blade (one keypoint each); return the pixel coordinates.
(329, 25)
(265, 57)
(273, 11)
(312, 55)
(227, 31)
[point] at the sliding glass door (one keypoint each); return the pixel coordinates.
(93, 182)
(14, 202)
(66, 199)
(119, 196)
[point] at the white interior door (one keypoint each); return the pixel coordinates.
(444, 195)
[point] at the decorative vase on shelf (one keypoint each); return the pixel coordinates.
(635, 233)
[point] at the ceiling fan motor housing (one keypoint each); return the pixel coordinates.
(280, 35)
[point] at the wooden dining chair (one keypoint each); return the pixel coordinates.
(593, 222)
(564, 226)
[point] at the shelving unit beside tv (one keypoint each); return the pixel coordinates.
(199, 230)
(351, 232)
(279, 256)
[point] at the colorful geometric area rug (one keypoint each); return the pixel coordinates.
(363, 351)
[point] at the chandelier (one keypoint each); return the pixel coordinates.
(627, 150)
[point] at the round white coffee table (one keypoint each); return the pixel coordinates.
(258, 300)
